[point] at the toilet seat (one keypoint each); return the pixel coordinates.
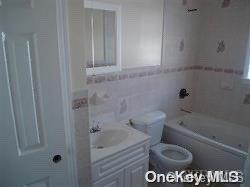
(172, 156)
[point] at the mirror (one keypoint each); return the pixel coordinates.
(123, 34)
(102, 27)
(104, 37)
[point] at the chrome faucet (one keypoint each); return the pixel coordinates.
(95, 128)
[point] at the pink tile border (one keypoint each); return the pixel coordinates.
(157, 71)
(123, 76)
(230, 71)
(207, 68)
(247, 99)
(218, 70)
(80, 103)
(238, 72)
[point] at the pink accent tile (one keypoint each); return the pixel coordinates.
(159, 71)
(123, 76)
(100, 79)
(230, 71)
(180, 69)
(238, 72)
(90, 80)
(143, 74)
(207, 68)
(79, 103)
(134, 75)
(112, 77)
(151, 72)
(167, 70)
(247, 99)
(172, 70)
(198, 67)
(218, 69)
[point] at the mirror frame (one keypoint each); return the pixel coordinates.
(246, 74)
(117, 9)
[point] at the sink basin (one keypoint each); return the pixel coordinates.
(108, 138)
(114, 138)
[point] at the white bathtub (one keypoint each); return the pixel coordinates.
(215, 144)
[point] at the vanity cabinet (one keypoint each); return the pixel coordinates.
(135, 174)
(124, 169)
(114, 180)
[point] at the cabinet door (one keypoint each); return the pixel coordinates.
(114, 180)
(135, 173)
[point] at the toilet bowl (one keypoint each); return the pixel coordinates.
(164, 157)
(168, 157)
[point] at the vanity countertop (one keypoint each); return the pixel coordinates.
(114, 138)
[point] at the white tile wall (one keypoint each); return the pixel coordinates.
(143, 94)
(231, 25)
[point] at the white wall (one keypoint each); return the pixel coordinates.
(142, 23)
(78, 78)
(231, 25)
(82, 141)
(181, 26)
(77, 47)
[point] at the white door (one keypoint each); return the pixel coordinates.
(32, 118)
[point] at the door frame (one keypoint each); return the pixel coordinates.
(65, 75)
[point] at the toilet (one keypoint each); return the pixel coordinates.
(163, 157)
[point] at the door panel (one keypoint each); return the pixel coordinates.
(33, 120)
(25, 92)
(41, 183)
(134, 174)
(114, 180)
(17, 3)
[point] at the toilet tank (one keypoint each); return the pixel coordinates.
(152, 124)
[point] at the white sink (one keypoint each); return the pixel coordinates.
(108, 138)
(113, 139)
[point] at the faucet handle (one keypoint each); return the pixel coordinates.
(95, 128)
(183, 93)
(91, 130)
(98, 128)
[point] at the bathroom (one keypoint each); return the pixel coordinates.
(142, 85)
